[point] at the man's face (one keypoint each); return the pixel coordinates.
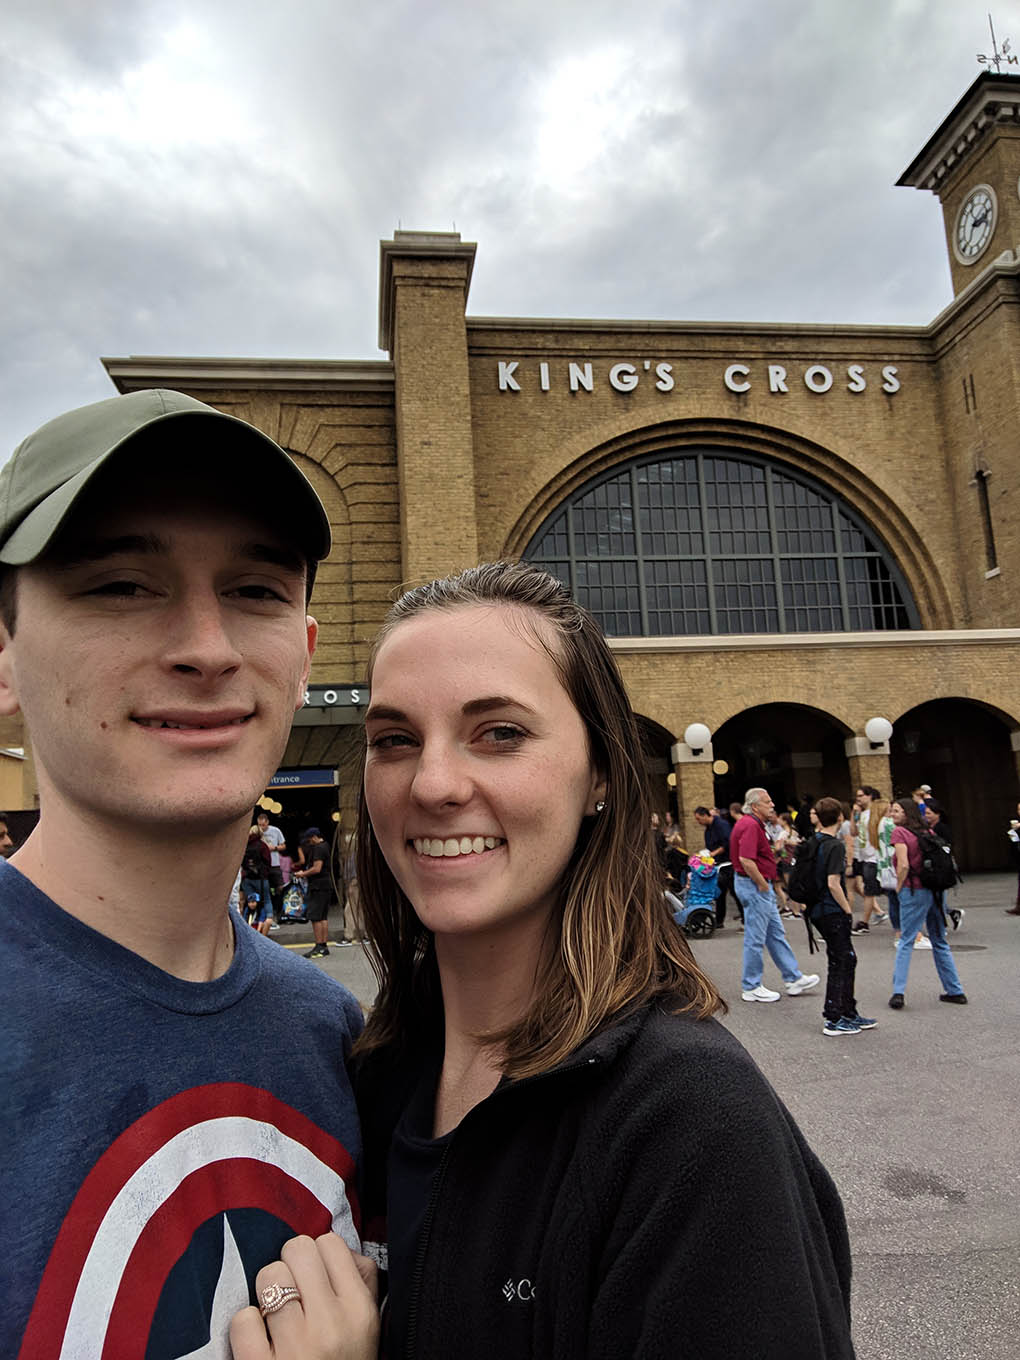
(862, 799)
(930, 816)
(6, 844)
(764, 808)
(262, 821)
(702, 818)
(159, 656)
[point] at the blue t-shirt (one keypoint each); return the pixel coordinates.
(717, 834)
(162, 1139)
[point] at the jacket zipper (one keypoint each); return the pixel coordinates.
(437, 1185)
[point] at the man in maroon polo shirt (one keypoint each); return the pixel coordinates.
(755, 873)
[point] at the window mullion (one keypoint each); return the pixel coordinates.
(642, 592)
(706, 541)
(774, 543)
(844, 600)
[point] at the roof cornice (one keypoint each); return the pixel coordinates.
(990, 102)
(348, 375)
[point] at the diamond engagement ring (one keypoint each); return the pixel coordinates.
(274, 1296)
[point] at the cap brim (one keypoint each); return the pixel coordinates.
(309, 528)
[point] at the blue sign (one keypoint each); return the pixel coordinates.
(303, 779)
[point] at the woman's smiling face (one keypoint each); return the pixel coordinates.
(478, 771)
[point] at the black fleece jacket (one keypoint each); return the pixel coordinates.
(651, 1197)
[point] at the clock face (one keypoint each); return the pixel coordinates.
(975, 223)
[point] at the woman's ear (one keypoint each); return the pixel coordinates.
(597, 796)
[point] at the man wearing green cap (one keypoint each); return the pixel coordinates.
(160, 1143)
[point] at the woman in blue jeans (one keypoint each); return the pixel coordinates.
(918, 910)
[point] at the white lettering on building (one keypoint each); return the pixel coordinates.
(624, 377)
(507, 381)
(739, 378)
(817, 378)
(580, 375)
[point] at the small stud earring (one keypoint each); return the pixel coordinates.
(600, 806)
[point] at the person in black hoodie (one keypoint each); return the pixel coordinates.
(565, 1152)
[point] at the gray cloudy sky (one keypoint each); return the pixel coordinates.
(213, 177)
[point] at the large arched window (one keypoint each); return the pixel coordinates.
(711, 542)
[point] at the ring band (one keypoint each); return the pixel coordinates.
(274, 1296)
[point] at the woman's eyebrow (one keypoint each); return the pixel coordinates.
(492, 701)
(385, 713)
(474, 706)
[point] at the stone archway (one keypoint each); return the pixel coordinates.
(793, 750)
(656, 744)
(962, 749)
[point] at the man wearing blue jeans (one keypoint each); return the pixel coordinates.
(755, 873)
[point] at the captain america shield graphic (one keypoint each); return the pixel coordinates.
(162, 1242)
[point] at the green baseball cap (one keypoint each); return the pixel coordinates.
(49, 470)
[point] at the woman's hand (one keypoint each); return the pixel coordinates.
(335, 1317)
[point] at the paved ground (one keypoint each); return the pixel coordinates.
(918, 1121)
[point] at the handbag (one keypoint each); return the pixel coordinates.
(293, 905)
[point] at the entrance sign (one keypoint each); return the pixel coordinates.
(304, 779)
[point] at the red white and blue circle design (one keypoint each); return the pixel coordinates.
(162, 1241)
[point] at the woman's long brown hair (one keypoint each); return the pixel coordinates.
(617, 947)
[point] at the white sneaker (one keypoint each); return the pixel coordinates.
(802, 984)
(922, 943)
(760, 993)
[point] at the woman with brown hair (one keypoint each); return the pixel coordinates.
(565, 1153)
(917, 909)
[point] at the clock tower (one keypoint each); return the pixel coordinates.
(972, 162)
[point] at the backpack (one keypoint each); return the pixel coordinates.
(938, 868)
(803, 885)
(252, 863)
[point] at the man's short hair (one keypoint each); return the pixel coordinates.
(828, 811)
(702, 812)
(870, 790)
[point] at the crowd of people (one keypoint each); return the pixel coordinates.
(870, 851)
(268, 869)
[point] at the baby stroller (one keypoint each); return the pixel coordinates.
(694, 912)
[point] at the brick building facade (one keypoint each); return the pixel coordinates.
(886, 465)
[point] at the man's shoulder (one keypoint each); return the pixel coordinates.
(302, 980)
(831, 850)
(748, 828)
